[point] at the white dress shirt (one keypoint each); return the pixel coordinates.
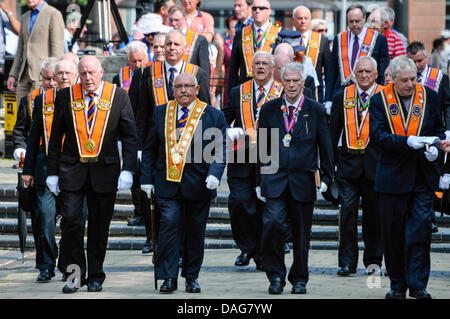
(180, 111)
(263, 27)
(266, 90)
(352, 41)
(178, 67)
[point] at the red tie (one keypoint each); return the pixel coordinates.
(291, 113)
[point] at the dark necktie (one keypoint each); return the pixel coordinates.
(364, 98)
(291, 113)
(419, 77)
(260, 98)
(182, 121)
(355, 51)
(91, 109)
(171, 80)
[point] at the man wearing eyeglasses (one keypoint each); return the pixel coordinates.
(183, 182)
(255, 37)
(317, 45)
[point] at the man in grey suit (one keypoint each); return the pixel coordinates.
(42, 24)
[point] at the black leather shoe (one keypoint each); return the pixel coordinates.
(434, 228)
(169, 286)
(395, 294)
(419, 293)
(192, 285)
(286, 248)
(345, 271)
(276, 286)
(242, 260)
(136, 221)
(299, 288)
(45, 276)
(148, 247)
(94, 286)
(69, 289)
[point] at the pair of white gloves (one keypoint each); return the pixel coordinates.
(18, 154)
(211, 183)
(323, 188)
(125, 182)
(417, 142)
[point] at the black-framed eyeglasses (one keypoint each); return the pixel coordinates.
(322, 30)
(150, 34)
(260, 8)
(187, 86)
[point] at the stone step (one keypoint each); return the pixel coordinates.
(213, 230)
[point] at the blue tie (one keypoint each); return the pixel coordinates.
(171, 80)
(91, 109)
(182, 121)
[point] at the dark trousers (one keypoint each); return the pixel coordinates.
(141, 202)
(245, 216)
(274, 234)
(195, 215)
(406, 229)
(350, 191)
(100, 208)
(44, 226)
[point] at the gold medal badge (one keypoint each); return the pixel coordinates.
(360, 144)
(314, 44)
(287, 140)
(90, 145)
(349, 103)
(247, 97)
(104, 105)
(174, 172)
(49, 109)
(78, 105)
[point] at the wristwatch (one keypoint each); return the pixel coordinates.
(10, 13)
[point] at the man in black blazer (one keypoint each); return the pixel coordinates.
(356, 159)
(88, 165)
(299, 126)
(317, 45)
(407, 174)
(243, 203)
(342, 62)
(183, 181)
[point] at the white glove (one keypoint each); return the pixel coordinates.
(234, 133)
(53, 184)
(323, 187)
(148, 188)
(415, 142)
(119, 146)
(444, 181)
(258, 194)
(212, 182)
(432, 154)
(125, 180)
(18, 152)
(447, 135)
(328, 106)
(139, 156)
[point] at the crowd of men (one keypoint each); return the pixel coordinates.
(302, 114)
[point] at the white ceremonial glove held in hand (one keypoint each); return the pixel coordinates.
(125, 180)
(139, 156)
(18, 152)
(258, 194)
(323, 187)
(53, 184)
(415, 142)
(432, 154)
(328, 106)
(212, 182)
(148, 188)
(447, 135)
(444, 181)
(234, 133)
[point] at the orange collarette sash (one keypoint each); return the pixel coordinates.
(248, 45)
(191, 40)
(125, 76)
(313, 46)
(249, 123)
(158, 74)
(357, 135)
(433, 79)
(176, 151)
(31, 98)
(365, 49)
(90, 140)
(48, 109)
(394, 111)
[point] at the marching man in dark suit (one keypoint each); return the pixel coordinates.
(184, 182)
(407, 174)
(91, 116)
(356, 159)
(243, 203)
(295, 129)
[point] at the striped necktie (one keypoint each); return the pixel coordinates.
(91, 109)
(259, 38)
(419, 78)
(261, 95)
(183, 119)
(171, 80)
(302, 40)
(364, 98)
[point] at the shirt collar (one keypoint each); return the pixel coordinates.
(176, 66)
(294, 104)
(369, 91)
(189, 107)
(263, 27)
(97, 92)
(306, 34)
(361, 35)
(39, 7)
(248, 21)
(424, 72)
(266, 86)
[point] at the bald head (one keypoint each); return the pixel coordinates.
(280, 61)
(91, 73)
(285, 49)
(70, 56)
(261, 12)
(301, 18)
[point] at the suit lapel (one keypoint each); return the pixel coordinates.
(303, 116)
(38, 21)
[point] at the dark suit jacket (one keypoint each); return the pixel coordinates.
(133, 90)
(23, 124)
(200, 55)
(192, 185)
(399, 164)
(297, 163)
(146, 101)
(103, 175)
(35, 160)
(350, 166)
(444, 100)
(333, 80)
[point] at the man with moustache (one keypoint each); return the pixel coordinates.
(244, 203)
(91, 116)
